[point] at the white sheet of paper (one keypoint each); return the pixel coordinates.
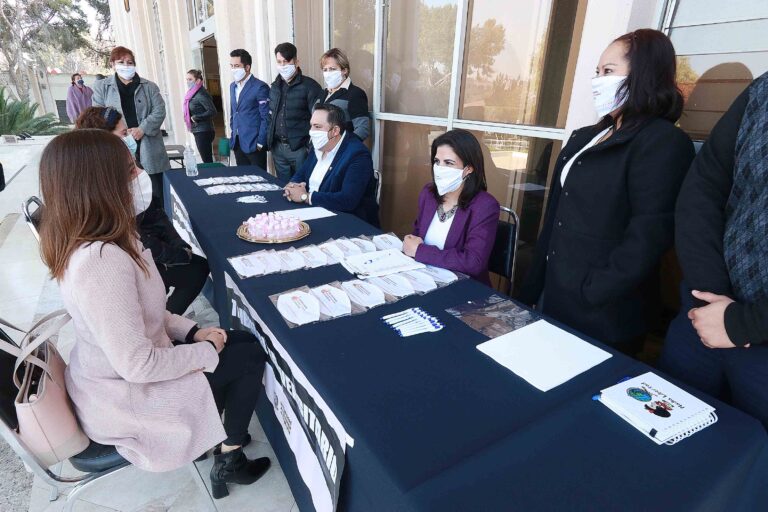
(313, 256)
(309, 213)
(421, 281)
(380, 263)
(333, 302)
(291, 260)
(364, 294)
(543, 354)
(247, 266)
(394, 285)
(440, 275)
(387, 241)
(298, 307)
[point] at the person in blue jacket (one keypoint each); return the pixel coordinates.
(249, 112)
(338, 174)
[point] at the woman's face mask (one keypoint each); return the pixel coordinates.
(142, 192)
(447, 179)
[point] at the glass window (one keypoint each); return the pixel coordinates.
(518, 171)
(721, 48)
(352, 30)
(308, 33)
(406, 169)
(198, 11)
(419, 57)
(513, 47)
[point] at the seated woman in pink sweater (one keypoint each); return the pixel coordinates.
(456, 224)
(149, 382)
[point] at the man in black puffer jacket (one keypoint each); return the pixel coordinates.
(291, 100)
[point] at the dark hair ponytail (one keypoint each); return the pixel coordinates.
(196, 73)
(651, 88)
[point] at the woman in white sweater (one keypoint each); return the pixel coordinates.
(144, 380)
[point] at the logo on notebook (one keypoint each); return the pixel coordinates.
(640, 394)
(661, 408)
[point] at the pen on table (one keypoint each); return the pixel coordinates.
(596, 396)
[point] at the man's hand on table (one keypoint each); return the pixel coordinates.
(294, 191)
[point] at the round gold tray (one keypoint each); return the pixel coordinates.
(242, 232)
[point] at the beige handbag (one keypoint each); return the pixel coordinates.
(47, 422)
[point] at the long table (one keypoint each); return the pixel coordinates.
(439, 426)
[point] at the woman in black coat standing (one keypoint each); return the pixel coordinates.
(610, 215)
(198, 114)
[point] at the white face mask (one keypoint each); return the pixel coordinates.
(604, 93)
(447, 179)
(319, 138)
(125, 72)
(333, 78)
(238, 74)
(287, 71)
(142, 192)
(131, 143)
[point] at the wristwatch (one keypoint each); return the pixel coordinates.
(304, 198)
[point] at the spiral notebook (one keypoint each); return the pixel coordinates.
(659, 409)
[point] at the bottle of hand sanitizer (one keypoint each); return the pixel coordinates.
(190, 164)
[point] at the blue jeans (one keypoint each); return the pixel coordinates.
(738, 376)
(286, 160)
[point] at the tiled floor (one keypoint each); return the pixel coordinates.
(26, 293)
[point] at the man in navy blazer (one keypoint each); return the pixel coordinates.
(249, 112)
(338, 174)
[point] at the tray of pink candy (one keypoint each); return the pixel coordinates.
(273, 228)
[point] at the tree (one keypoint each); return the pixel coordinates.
(19, 116)
(486, 41)
(29, 28)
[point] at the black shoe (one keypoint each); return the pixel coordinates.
(234, 468)
(204, 456)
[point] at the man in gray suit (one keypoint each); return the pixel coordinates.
(143, 109)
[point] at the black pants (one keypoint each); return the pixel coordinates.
(204, 142)
(187, 281)
(157, 186)
(257, 158)
(236, 383)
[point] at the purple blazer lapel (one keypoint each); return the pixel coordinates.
(457, 227)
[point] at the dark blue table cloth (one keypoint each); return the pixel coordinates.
(440, 426)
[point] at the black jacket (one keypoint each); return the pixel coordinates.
(302, 92)
(700, 227)
(160, 237)
(354, 102)
(202, 110)
(606, 229)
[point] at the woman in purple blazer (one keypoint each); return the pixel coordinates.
(456, 224)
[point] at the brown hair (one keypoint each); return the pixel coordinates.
(119, 52)
(339, 56)
(196, 73)
(85, 182)
(102, 118)
(72, 78)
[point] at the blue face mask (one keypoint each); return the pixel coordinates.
(131, 143)
(80, 82)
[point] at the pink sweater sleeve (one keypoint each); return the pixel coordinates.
(104, 288)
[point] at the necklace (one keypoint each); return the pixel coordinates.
(443, 215)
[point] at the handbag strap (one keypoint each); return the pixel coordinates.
(30, 343)
(16, 351)
(11, 326)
